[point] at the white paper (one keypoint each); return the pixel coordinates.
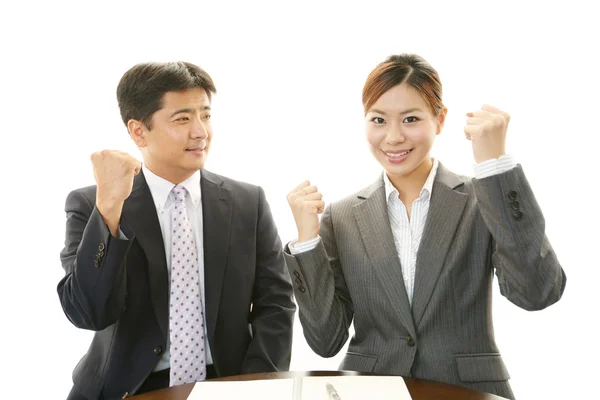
(356, 387)
(307, 388)
(271, 389)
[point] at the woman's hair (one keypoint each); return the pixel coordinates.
(409, 68)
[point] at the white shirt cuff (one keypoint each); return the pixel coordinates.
(494, 166)
(301, 247)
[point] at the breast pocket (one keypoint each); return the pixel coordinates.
(481, 367)
(359, 362)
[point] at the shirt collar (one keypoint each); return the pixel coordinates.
(425, 191)
(160, 188)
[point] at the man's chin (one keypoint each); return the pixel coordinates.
(196, 165)
(193, 160)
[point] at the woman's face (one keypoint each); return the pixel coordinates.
(400, 129)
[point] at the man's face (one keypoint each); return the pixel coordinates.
(178, 143)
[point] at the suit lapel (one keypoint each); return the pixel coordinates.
(216, 215)
(445, 212)
(373, 223)
(139, 212)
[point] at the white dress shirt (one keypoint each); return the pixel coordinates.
(408, 232)
(161, 190)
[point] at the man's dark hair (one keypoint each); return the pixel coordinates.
(141, 89)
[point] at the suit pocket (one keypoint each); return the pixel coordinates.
(358, 362)
(481, 367)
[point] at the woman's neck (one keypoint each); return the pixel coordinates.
(409, 186)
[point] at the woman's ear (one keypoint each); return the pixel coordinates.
(441, 119)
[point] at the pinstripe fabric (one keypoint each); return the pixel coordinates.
(407, 232)
(471, 231)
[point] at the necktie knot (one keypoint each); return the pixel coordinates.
(178, 193)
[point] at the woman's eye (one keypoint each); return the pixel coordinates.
(378, 120)
(411, 119)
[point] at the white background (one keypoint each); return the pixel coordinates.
(289, 79)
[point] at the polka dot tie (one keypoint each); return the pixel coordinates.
(186, 314)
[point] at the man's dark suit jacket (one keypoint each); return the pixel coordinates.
(119, 288)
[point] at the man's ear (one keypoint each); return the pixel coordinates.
(137, 132)
(441, 119)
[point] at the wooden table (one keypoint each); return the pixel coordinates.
(419, 389)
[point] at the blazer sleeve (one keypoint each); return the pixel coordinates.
(326, 309)
(273, 308)
(93, 290)
(528, 270)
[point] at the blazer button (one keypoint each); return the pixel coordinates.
(101, 253)
(298, 281)
(410, 341)
(302, 289)
(101, 247)
(515, 205)
(512, 195)
(297, 274)
(158, 350)
(518, 215)
(96, 264)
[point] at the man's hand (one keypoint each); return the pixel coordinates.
(114, 172)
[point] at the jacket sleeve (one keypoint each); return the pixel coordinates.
(273, 308)
(325, 307)
(93, 290)
(528, 270)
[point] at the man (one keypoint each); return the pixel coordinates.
(178, 270)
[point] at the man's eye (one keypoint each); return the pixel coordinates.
(207, 117)
(182, 119)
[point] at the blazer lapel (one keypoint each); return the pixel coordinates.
(373, 223)
(445, 212)
(139, 212)
(216, 215)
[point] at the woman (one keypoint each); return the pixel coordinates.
(411, 257)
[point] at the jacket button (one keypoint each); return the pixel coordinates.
(96, 264)
(298, 281)
(158, 350)
(302, 289)
(410, 341)
(512, 195)
(518, 215)
(101, 247)
(297, 274)
(515, 205)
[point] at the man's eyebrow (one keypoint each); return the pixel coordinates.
(189, 110)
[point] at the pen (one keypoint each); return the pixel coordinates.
(333, 395)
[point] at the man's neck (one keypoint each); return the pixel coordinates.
(173, 175)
